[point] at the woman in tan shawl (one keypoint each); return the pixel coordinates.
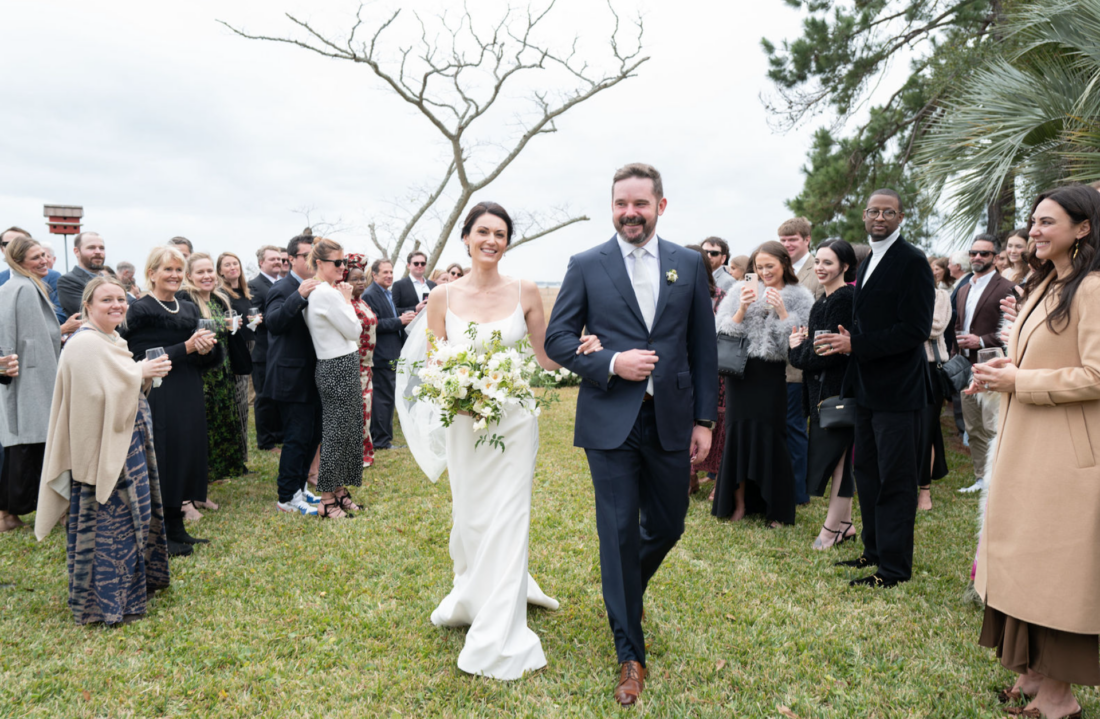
(100, 469)
(1039, 558)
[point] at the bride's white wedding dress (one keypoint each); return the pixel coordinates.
(491, 493)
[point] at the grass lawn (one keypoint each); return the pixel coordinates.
(288, 616)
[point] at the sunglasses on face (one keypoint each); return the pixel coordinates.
(284, 262)
(713, 253)
(419, 264)
(335, 263)
(981, 253)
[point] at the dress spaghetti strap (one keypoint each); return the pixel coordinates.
(447, 290)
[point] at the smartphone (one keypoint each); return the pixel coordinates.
(423, 295)
(751, 280)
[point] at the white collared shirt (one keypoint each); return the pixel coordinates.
(878, 249)
(977, 286)
(797, 266)
(420, 286)
(272, 278)
(652, 262)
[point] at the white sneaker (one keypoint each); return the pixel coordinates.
(978, 486)
(289, 507)
(310, 497)
(304, 507)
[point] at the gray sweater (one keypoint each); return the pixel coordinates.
(768, 335)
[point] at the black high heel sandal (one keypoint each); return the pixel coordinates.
(821, 546)
(846, 537)
(346, 502)
(325, 508)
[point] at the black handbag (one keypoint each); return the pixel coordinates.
(939, 375)
(733, 353)
(958, 371)
(836, 413)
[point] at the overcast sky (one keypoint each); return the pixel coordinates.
(161, 122)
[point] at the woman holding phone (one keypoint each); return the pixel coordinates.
(1038, 567)
(162, 322)
(830, 450)
(756, 475)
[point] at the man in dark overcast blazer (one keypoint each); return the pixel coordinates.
(888, 378)
(410, 293)
(390, 337)
(269, 430)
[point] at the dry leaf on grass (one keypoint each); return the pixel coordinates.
(720, 665)
(786, 711)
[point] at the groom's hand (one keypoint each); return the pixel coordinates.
(635, 365)
(700, 444)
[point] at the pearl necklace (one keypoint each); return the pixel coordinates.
(157, 299)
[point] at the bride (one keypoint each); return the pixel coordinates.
(490, 489)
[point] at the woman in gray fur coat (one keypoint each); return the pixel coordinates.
(756, 475)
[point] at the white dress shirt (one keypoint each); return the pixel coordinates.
(420, 286)
(977, 286)
(797, 266)
(878, 249)
(652, 262)
(271, 278)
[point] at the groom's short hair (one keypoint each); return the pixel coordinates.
(643, 171)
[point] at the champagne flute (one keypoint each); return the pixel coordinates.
(152, 354)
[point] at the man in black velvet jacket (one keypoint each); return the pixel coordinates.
(888, 377)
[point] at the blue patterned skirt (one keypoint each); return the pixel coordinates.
(117, 551)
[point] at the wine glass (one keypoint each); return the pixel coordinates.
(151, 354)
(989, 354)
(253, 313)
(208, 324)
(234, 321)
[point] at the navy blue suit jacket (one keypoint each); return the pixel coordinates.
(390, 334)
(291, 360)
(260, 286)
(597, 294)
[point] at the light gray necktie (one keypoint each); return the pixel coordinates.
(643, 291)
(643, 287)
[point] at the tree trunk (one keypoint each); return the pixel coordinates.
(1001, 212)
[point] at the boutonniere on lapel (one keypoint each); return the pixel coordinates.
(671, 277)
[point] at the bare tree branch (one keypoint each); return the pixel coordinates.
(547, 231)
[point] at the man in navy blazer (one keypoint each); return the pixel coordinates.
(889, 379)
(389, 339)
(268, 425)
(648, 400)
(290, 382)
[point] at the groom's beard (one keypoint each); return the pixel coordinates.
(647, 231)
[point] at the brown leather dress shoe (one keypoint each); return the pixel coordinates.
(631, 683)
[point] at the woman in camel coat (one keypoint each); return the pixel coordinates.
(1039, 560)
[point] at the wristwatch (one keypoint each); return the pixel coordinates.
(708, 423)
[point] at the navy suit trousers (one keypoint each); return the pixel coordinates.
(637, 478)
(301, 438)
(798, 441)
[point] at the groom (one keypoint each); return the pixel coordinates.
(649, 400)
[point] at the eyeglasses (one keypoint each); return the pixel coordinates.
(886, 214)
(714, 253)
(418, 264)
(300, 254)
(284, 262)
(981, 253)
(335, 263)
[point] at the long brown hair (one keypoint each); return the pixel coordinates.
(241, 290)
(16, 254)
(779, 252)
(1081, 203)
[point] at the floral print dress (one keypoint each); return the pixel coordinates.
(369, 322)
(223, 420)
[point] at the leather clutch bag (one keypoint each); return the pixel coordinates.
(733, 353)
(836, 413)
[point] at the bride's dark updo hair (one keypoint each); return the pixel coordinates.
(482, 208)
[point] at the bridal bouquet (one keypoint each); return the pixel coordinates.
(482, 384)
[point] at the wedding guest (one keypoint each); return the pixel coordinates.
(756, 475)
(978, 324)
(933, 457)
(28, 326)
(269, 431)
(100, 467)
(739, 266)
(126, 272)
(90, 254)
(183, 245)
(716, 252)
(50, 279)
(356, 276)
(795, 236)
(830, 451)
(712, 463)
(391, 336)
(455, 271)
(160, 320)
(1000, 262)
(1016, 251)
(863, 251)
(51, 257)
(284, 264)
(958, 267)
(887, 376)
(334, 329)
(223, 420)
(441, 277)
(290, 383)
(940, 273)
(1038, 570)
(410, 293)
(243, 339)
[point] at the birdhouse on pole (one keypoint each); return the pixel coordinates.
(64, 220)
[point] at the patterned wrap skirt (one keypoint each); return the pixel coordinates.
(243, 385)
(117, 551)
(341, 422)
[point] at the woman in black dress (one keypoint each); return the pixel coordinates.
(231, 274)
(756, 475)
(830, 452)
(160, 320)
